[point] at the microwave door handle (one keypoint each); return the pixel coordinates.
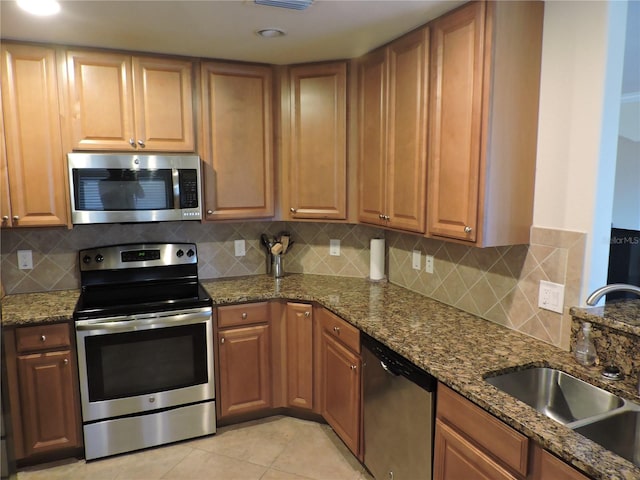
(175, 173)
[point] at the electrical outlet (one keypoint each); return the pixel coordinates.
(240, 248)
(334, 247)
(428, 263)
(551, 296)
(25, 260)
(416, 259)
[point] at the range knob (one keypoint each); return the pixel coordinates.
(179, 253)
(99, 258)
(86, 259)
(190, 253)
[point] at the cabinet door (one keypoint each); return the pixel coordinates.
(372, 168)
(454, 144)
(341, 390)
(5, 201)
(50, 419)
(245, 370)
(300, 355)
(318, 170)
(407, 149)
(163, 98)
(237, 141)
(455, 458)
(35, 160)
(101, 101)
(546, 466)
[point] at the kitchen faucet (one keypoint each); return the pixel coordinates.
(614, 287)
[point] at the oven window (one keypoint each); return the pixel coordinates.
(147, 361)
(104, 189)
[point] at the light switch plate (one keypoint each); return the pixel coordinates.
(25, 260)
(334, 247)
(239, 248)
(428, 263)
(416, 259)
(551, 296)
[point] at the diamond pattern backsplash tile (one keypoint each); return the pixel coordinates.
(499, 284)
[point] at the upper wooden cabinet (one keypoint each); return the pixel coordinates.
(393, 133)
(485, 78)
(315, 141)
(119, 102)
(237, 140)
(35, 164)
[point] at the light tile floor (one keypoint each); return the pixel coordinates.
(274, 448)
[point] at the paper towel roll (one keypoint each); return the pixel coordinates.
(376, 261)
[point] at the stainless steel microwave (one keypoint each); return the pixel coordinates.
(127, 188)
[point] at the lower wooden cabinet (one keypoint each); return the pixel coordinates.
(43, 390)
(299, 356)
(341, 381)
(472, 444)
(244, 361)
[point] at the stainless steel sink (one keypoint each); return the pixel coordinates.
(556, 394)
(619, 433)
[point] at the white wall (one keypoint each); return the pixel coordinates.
(582, 58)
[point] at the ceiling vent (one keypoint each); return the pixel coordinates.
(290, 4)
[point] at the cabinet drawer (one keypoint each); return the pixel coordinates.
(244, 314)
(42, 337)
(347, 333)
(495, 437)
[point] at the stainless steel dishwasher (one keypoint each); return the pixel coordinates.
(399, 408)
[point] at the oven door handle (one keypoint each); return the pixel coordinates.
(135, 322)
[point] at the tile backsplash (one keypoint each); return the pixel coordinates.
(499, 284)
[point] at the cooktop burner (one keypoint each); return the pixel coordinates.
(138, 278)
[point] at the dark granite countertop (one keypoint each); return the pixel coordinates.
(623, 315)
(458, 348)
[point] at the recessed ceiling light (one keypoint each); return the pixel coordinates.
(41, 8)
(271, 32)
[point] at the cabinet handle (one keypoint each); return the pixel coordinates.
(381, 217)
(307, 314)
(16, 218)
(209, 212)
(141, 143)
(293, 210)
(337, 330)
(387, 218)
(65, 361)
(353, 367)
(222, 340)
(244, 315)
(467, 229)
(132, 142)
(5, 218)
(43, 338)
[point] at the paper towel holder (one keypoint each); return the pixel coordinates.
(381, 280)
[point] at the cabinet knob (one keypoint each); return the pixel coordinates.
(43, 338)
(5, 218)
(467, 229)
(209, 212)
(141, 143)
(293, 210)
(381, 217)
(132, 142)
(337, 330)
(387, 218)
(222, 340)
(307, 314)
(16, 218)
(65, 361)
(353, 367)
(244, 315)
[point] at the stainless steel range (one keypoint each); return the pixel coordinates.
(145, 353)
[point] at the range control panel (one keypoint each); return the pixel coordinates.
(116, 257)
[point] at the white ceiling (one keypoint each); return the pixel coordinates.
(225, 29)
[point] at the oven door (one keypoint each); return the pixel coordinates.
(140, 363)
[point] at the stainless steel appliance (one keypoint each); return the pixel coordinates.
(123, 188)
(399, 408)
(145, 353)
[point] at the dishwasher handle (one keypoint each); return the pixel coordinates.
(396, 364)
